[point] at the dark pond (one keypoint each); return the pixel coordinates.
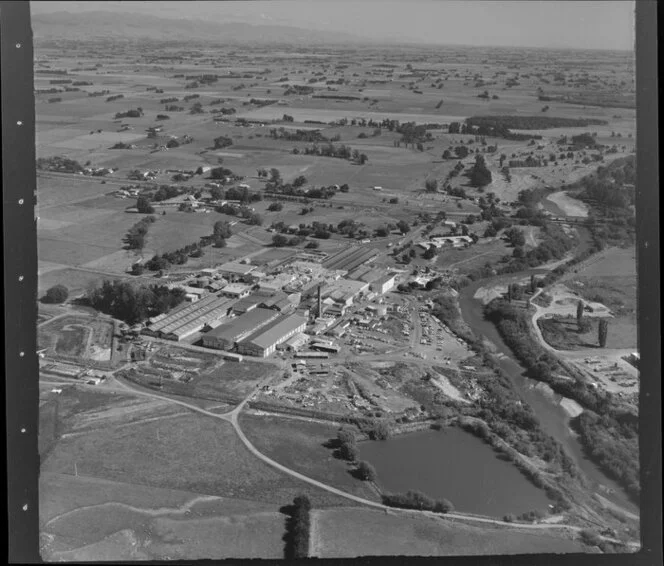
(455, 465)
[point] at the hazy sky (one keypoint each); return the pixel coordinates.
(594, 24)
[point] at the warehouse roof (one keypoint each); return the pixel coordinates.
(236, 268)
(385, 278)
(243, 323)
(273, 298)
(297, 340)
(275, 331)
(183, 313)
(236, 288)
(247, 303)
(366, 274)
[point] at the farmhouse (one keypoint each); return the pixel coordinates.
(225, 337)
(264, 342)
(440, 241)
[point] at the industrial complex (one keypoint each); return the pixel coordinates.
(237, 308)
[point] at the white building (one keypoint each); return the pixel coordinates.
(235, 291)
(384, 284)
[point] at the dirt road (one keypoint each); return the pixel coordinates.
(232, 417)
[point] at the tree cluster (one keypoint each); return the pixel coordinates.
(311, 136)
(250, 216)
(413, 499)
(348, 449)
(298, 529)
(133, 303)
(479, 174)
(222, 142)
(135, 238)
(177, 257)
(341, 152)
(59, 163)
(133, 113)
(612, 442)
(56, 295)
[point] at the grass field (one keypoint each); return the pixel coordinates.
(300, 445)
(95, 519)
(473, 257)
(610, 279)
(363, 532)
(76, 281)
(210, 460)
(72, 411)
(562, 334)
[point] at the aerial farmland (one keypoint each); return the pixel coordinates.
(279, 281)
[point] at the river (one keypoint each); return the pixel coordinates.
(455, 465)
(552, 417)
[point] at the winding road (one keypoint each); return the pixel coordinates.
(232, 418)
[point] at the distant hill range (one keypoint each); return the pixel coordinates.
(132, 26)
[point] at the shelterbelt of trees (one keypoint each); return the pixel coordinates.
(502, 126)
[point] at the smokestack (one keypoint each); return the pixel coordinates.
(320, 301)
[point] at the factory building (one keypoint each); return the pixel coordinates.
(344, 291)
(281, 302)
(235, 291)
(294, 343)
(234, 271)
(225, 337)
(193, 294)
(330, 348)
(277, 282)
(264, 341)
(189, 318)
(350, 258)
(249, 303)
(384, 284)
(366, 273)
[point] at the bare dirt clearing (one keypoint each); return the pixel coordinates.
(570, 206)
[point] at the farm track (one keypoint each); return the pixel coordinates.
(123, 425)
(183, 509)
(232, 418)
